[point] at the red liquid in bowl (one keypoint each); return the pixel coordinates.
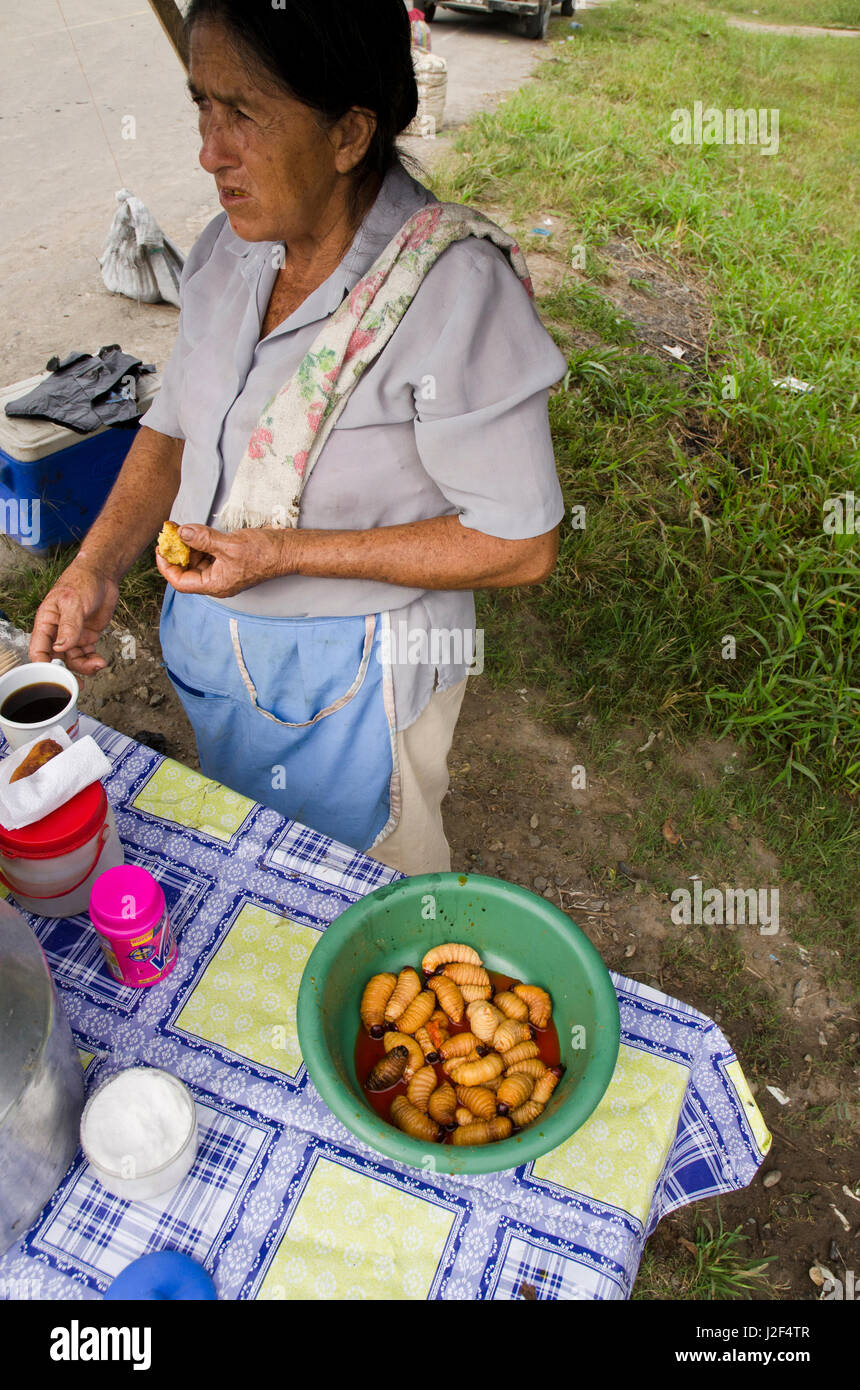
(368, 1052)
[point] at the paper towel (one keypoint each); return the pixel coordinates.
(79, 764)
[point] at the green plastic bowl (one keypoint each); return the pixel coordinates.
(517, 934)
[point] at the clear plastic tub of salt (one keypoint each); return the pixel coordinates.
(139, 1133)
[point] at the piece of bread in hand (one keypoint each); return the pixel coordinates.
(172, 547)
(38, 755)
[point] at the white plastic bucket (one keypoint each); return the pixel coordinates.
(51, 866)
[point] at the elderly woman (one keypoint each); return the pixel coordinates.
(352, 432)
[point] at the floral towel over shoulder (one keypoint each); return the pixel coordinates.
(295, 424)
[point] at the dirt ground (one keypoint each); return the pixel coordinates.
(797, 31)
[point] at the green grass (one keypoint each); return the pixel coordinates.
(22, 590)
(843, 14)
(23, 587)
(712, 1266)
(704, 506)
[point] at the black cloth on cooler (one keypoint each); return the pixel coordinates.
(85, 393)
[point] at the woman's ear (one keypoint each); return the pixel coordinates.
(351, 136)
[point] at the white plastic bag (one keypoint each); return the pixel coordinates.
(139, 261)
(431, 75)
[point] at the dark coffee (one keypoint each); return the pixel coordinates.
(33, 704)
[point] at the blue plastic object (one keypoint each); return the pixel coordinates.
(167, 1275)
(70, 484)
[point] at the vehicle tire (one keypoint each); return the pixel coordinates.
(568, 7)
(535, 26)
(429, 13)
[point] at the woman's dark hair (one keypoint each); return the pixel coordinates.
(331, 55)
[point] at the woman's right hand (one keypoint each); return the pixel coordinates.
(73, 616)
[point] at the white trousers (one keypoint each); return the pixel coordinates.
(417, 845)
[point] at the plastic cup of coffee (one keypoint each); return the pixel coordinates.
(34, 698)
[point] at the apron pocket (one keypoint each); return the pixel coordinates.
(296, 714)
(321, 667)
(184, 689)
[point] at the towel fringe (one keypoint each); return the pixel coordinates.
(240, 518)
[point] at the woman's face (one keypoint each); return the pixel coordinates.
(277, 171)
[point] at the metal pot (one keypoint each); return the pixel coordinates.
(41, 1081)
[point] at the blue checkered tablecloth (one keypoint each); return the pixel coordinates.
(283, 1202)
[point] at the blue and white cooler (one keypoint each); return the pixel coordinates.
(54, 481)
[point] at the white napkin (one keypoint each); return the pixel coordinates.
(80, 763)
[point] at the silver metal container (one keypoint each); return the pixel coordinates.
(41, 1080)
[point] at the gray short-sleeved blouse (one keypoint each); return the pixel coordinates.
(450, 419)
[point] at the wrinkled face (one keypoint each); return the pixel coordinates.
(275, 167)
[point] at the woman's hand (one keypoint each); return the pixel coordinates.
(224, 563)
(72, 617)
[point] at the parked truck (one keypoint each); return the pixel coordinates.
(533, 15)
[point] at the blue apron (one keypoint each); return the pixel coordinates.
(297, 713)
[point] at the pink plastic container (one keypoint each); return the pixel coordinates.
(128, 911)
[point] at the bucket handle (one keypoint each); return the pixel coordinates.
(48, 897)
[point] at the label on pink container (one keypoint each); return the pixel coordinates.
(143, 959)
(128, 911)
